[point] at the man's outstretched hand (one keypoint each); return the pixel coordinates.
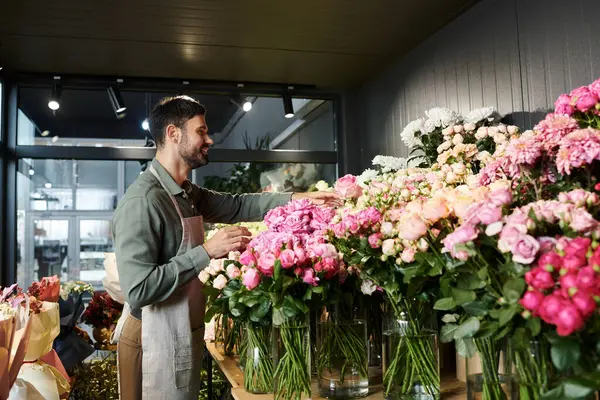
(329, 199)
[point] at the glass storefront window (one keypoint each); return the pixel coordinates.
(85, 118)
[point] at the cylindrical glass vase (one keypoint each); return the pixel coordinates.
(291, 359)
(258, 361)
(489, 371)
(241, 345)
(533, 368)
(342, 356)
(410, 354)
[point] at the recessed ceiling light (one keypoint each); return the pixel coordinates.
(45, 133)
(48, 185)
(55, 139)
(31, 171)
(145, 125)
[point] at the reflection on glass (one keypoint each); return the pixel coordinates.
(85, 118)
(95, 239)
(50, 248)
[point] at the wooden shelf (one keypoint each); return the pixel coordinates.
(452, 389)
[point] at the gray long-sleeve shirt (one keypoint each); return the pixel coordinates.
(147, 232)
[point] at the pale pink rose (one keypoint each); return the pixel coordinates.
(300, 255)
(296, 222)
(547, 244)
(368, 287)
(308, 277)
(408, 255)
(415, 207)
(250, 278)
(347, 187)
(412, 227)
(395, 214)
(375, 240)
(509, 235)
(220, 282)
(458, 128)
(488, 214)
(287, 258)
(204, 276)
(234, 255)
(435, 209)
(266, 263)
(470, 126)
(247, 258)
(501, 196)
(387, 228)
(582, 221)
(233, 271)
(525, 249)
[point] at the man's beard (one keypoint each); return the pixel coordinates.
(193, 158)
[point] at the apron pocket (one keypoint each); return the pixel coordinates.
(183, 361)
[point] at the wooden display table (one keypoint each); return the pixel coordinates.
(452, 389)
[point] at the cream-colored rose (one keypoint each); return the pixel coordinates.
(493, 130)
(322, 186)
(220, 282)
(459, 168)
(415, 207)
(512, 130)
(450, 177)
(435, 209)
(388, 247)
(412, 227)
(502, 128)
(448, 131)
(458, 139)
(499, 138)
(458, 128)
(481, 133)
(470, 126)
(387, 228)
(494, 228)
(204, 276)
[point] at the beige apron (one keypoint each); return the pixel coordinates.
(173, 330)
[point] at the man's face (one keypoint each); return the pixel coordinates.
(194, 144)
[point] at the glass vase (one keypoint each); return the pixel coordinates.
(533, 368)
(488, 372)
(410, 352)
(241, 345)
(258, 359)
(342, 356)
(291, 360)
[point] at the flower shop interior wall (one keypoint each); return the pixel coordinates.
(515, 55)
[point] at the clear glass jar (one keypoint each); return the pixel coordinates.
(489, 371)
(342, 356)
(292, 359)
(258, 359)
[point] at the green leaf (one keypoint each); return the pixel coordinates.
(578, 388)
(308, 294)
(555, 394)
(565, 353)
(486, 329)
(447, 333)
(467, 329)
(520, 339)
(513, 290)
(278, 317)
(317, 289)
(444, 304)
(450, 318)
(470, 282)
(466, 347)
(462, 296)
(475, 308)
(506, 314)
(277, 271)
(257, 314)
(534, 325)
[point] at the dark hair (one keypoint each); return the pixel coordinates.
(175, 110)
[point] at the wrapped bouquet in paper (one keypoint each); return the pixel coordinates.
(42, 372)
(103, 313)
(69, 345)
(111, 279)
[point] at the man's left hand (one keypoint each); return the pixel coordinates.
(329, 199)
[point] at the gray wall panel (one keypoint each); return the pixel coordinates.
(516, 55)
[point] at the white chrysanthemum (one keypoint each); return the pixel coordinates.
(442, 117)
(480, 114)
(408, 135)
(390, 163)
(366, 176)
(6, 311)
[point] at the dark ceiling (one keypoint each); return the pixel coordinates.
(328, 43)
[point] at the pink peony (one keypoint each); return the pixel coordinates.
(250, 278)
(585, 303)
(321, 218)
(553, 128)
(375, 240)
(266, 263)
(274, 218)
(408, 255)
(539, 279)
(296, 222)
(562, 105)
(412, 227)
(577, 149)
(532, 299)
(594, 88)
(308, 277)
(568, 319)
(347, 187)
(287, 258)
(525, 249)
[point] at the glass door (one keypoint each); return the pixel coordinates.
(94, 239)
(48, 252)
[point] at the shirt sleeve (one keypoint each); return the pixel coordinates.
(138, 231)
(227, 208)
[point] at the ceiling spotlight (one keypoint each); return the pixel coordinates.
(145, 125)
(54, 100)
(288, 106)
(48, 185)
(45, 133)
(242, 102)
(31, 172)
(116, 101)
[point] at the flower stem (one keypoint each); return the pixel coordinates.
(258, 367)
(292, 374)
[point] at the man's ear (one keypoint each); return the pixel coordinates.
(173, 133)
